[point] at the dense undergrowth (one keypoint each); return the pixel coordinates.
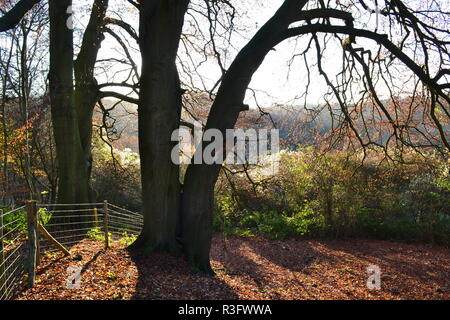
(338, 195)
(314, 195)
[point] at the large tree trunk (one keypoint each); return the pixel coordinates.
(85, 98)
(72, 168)
(159, 111)
(200, 179)
(86, 89)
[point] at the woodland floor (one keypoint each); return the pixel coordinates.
(251, 268)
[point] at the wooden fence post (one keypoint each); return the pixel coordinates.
(38, 244)
(105, 223)
(3, 284)
(32, 241)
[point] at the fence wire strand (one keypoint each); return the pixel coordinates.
(67, 223)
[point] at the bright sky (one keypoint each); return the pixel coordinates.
(271, 80)
(274, 82)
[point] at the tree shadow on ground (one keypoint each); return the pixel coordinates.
(402, 265)
(161, 276)
(398, 261)
(252, 268)
(280, 253)
(263, 265)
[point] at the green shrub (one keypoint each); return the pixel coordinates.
(16, 222)
(337, 195)
(127, 239)
(97, 234)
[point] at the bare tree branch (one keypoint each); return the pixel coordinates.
(13, 16)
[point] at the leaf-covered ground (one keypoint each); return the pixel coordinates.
(251, 268)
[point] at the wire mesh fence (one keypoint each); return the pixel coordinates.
(59, 227)
(68, 224)
(123, 222)
(12, 251)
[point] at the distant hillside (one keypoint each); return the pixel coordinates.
(298, 125)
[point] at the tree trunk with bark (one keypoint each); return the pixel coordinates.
(72, 166)
(159, 111)
(200, 179)
(159, 115)
(86, 88)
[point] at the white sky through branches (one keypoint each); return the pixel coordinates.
(274, 82)
(277, 81)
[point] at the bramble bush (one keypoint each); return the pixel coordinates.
(16, 222)
(124, 237)
(339, 195)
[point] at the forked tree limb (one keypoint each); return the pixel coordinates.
(11, 18)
